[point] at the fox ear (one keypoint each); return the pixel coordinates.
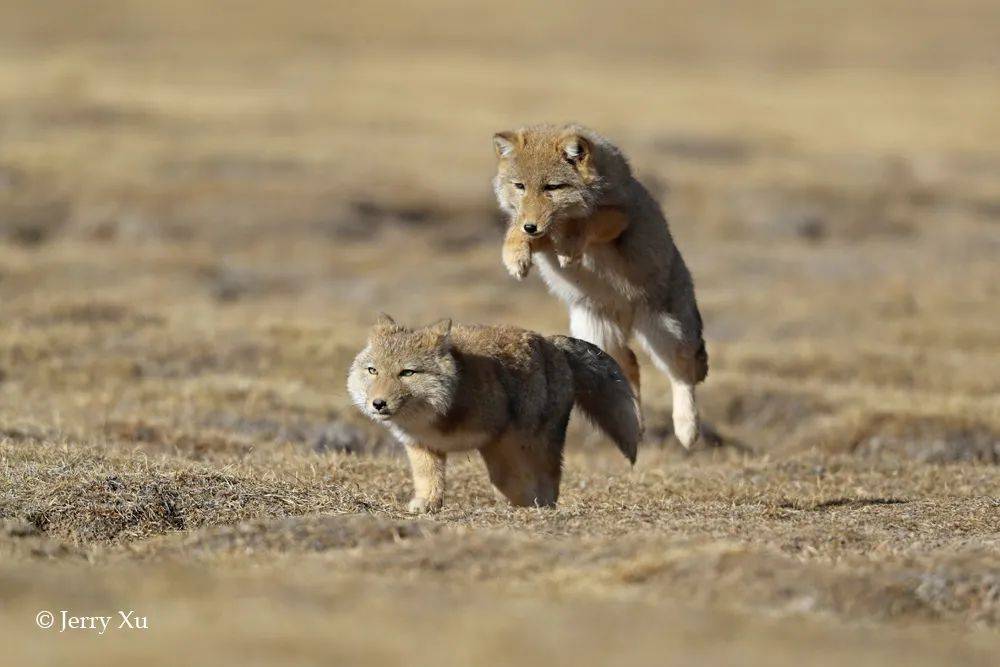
(385, 323)
(504, 144)
(441, 331)
(575, 149)
(441, 327)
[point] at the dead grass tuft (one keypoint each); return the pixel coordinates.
(87, 502)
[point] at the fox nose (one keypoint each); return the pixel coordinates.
(379, 404)
(530, 227)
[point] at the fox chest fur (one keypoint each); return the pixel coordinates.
(427, 431)
(600, 280)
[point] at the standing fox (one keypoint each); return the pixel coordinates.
(602, 245)
(504, 391)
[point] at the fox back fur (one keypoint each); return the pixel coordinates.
(603, 246)
(503, 391)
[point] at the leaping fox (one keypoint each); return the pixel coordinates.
(602, 245)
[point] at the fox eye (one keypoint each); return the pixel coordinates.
(406, 372)
(519, 186)
(371, 369)
(549, 187)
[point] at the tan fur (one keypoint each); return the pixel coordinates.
(602, 245)
(570, 238)
(503, 391)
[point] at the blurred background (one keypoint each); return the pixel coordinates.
(204, 204)
(236, 188)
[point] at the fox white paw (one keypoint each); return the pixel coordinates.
(567, 260)
(424, 505)
(686, 429)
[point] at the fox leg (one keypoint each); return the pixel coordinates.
(677, 348)
(516, 252)
(570, 242)
(428, 479)
(524, 470)
(610, 333)
(605, 225)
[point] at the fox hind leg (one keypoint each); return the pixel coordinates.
(523, 470)
(679, 352)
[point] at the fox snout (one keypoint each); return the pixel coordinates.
(535, 223)
(382, 406)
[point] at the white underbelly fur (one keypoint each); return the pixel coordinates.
(578, 284)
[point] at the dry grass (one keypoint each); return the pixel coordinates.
(200, 214)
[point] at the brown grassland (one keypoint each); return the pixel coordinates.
(204, 205)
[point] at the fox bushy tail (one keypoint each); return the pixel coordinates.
(603, 393)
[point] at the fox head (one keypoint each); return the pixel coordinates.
(546, 174)
(404, 372)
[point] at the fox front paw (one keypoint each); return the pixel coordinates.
(424, 505)
(568, 260)
(518, 263)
